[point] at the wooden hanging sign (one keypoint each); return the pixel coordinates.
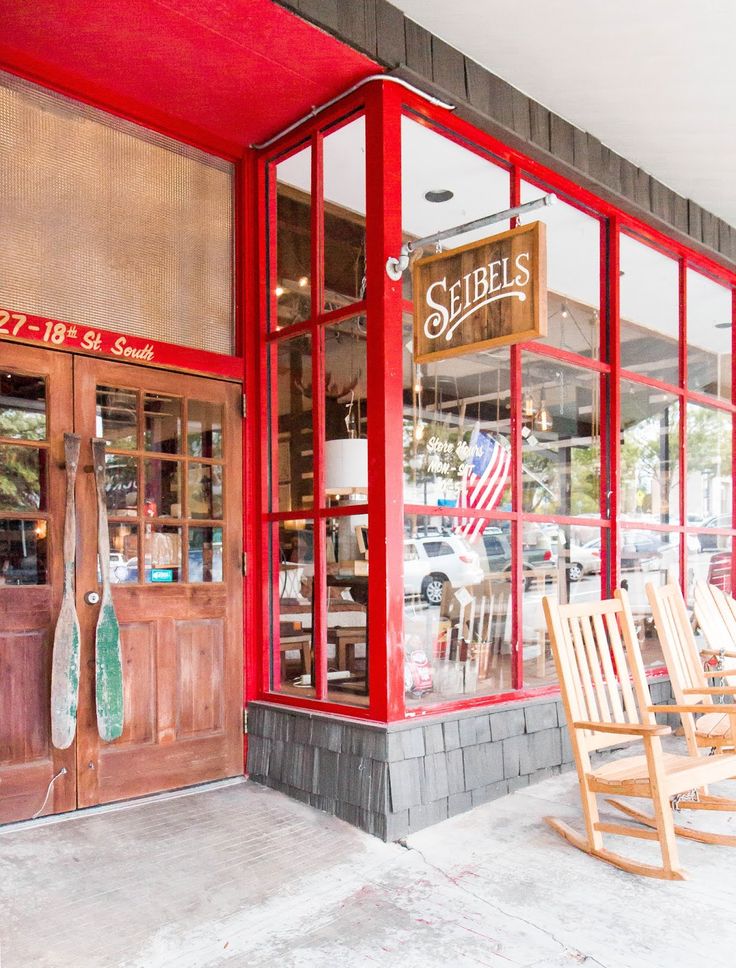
(481, 295)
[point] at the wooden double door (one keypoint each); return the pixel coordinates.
(173, 494)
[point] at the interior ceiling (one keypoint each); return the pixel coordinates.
(654, 81)
(228, 73)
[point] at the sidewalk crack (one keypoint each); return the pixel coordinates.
(578, 956)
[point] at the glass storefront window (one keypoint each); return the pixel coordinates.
(709, 318)
(292, 607)
(344, 215)
(650, 455)
(647, 557)
(650, 316)
(573, 274)
(292, 401)
(709, 482)
(457, 428)
(561, 452)
(457, 609)
(445, 184)
(345, 412)
(347, 608)
(564, 563)
(291, 287)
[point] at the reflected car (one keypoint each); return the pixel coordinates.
(583, 559)
(430, 562)
(715, 542)
(538, 558)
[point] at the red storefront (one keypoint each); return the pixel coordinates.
(180, 260)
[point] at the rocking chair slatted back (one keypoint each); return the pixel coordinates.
(589, 648)
(715, 613)
(678, 645)
(714, 616)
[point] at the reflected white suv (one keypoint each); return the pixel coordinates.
(431, 561)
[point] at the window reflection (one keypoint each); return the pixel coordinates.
(457, 610)
(23, 552)
(292, 398)
(650, 454)
(561, 451)
(292, 585)
(709, 313)
(709, 478)
(22, 406)
(292, 283)
(573, 274)
(650, 314)
(457, 425)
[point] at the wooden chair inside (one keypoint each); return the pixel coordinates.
(589, 641)
(706, 724)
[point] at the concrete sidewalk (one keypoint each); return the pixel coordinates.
(242, 876)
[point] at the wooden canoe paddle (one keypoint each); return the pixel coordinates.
(65, 661)
(108, 658)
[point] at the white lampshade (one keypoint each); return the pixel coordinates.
(346, 466)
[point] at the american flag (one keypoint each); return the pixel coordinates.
(484, 478)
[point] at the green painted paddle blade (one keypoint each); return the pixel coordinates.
(65, 676)
(109, 674)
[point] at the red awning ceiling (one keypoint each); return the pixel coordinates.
(225, 73)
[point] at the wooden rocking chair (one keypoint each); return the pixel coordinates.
(715, 615)
(589, 640)
(714, 728)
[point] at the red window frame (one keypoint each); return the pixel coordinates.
(384, 106)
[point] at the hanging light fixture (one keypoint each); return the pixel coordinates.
(543, 419)
(528, 408)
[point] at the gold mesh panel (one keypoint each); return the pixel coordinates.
(107, 224)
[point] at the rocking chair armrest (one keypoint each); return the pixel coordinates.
(714, 654)
(711, 691)
(630, 729)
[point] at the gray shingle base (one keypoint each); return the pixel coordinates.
(394, 780)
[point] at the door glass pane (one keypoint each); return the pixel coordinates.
(162, 554)
(22, 406)
(205, 491)
(117, 418)
(205, 554)
(162, 423)
(204, 429)
(22, 478)
(121, 484)
(163, 489)
(123, 553)
(23, 551)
